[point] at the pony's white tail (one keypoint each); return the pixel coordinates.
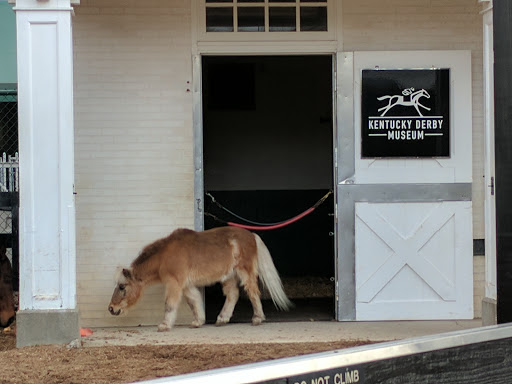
(270, 278)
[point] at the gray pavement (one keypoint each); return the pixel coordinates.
(278, 332)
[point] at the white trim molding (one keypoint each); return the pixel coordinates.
(487, 5)
(489, 304)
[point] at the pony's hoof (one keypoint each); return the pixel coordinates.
(163, 328)
(222, 321)
(257, 320)
(196, 324)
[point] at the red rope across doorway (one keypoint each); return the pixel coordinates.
(275, 226)
(262, 226)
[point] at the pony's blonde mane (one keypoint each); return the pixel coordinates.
(155, 247)
(150, 250)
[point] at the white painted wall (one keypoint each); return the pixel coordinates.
(134, 133)
(134, 142)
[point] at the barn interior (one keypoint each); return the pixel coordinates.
(268, 156)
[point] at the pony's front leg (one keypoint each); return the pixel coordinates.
(173, 294)
(195, 302)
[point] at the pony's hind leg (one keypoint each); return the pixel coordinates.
(173, 293)
(232, 292)
(250, 284)
(195, 302)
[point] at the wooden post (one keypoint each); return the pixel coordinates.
(48, 311)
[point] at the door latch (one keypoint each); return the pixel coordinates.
(492, 186)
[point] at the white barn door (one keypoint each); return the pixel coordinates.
(413, 261)
(411, 219)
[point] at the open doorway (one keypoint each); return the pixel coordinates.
(268, 156)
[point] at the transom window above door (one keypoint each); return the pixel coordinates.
(264, 17)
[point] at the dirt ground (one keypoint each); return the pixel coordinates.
(126, 364)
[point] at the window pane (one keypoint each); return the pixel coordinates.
(251, 19)
(282, 19)
(251, 1)
(313, 19)
(219, 1)
(311, 1)
(219, 19)
(281, 1)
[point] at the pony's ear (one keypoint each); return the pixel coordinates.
(123, 275)
(127, 273)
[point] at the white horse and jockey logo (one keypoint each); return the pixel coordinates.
(409, 97)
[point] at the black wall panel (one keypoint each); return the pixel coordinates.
(502, 14)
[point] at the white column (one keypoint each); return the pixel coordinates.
(46, 144)
(489, 309)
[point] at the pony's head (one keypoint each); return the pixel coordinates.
(126, 293)
(7, 312)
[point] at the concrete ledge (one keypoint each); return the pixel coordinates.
(278, 332)
(40, 327)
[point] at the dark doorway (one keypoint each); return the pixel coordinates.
(268, 156)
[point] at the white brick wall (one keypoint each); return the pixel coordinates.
(134, 142)
(133, 122)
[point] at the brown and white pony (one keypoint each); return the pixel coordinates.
(186, 260)
(7, 312)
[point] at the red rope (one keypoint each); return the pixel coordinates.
(269, 227)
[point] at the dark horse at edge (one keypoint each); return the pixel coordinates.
(7, 309)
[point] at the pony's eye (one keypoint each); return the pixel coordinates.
(122, 287)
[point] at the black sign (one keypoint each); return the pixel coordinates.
(489, 362)
(405, 113)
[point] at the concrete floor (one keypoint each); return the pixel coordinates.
(276, 332)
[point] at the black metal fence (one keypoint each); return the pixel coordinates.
(9, 177)
(8, 122)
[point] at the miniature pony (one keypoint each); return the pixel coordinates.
(186, 260)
